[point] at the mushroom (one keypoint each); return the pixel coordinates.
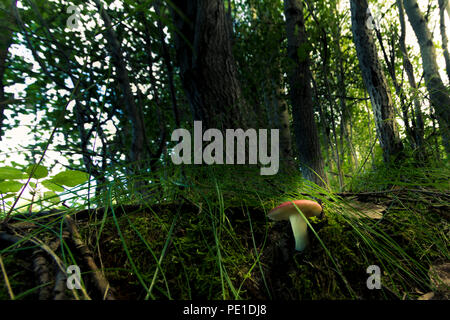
(288, 211)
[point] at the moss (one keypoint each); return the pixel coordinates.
(20, 277)
(219, 223)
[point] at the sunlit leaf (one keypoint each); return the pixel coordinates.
(51, 197)
(10, 186)
(52, 186)
(70, 178)
(39, 172)
(11, 173)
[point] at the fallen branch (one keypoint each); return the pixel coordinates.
(40, 267)
(16, 238)
(100, 281)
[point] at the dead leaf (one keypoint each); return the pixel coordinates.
(440, 276)
(426, 296)
(369, 210)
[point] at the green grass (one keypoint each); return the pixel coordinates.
(204, 234)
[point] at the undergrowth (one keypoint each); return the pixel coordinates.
(203, 233)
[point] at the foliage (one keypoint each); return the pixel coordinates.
(201, 231)
(12, 181)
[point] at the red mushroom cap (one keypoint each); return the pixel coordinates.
(308, 207)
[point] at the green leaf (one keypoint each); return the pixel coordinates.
(10, 186)
(39, 172)
(32, 184)
(11, 173)
(52, 197)
(52, 186)
(70, 178)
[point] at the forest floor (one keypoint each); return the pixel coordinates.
(213, 241)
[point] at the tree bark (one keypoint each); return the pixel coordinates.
(443, 4)
(375, 82)
(207, 67)
(305, 128)
(439, 95)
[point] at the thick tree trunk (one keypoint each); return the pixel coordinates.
(207, 66)
(375, 81)
(305, 127)
(439, 94)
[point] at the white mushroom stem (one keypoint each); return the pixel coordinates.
(300, 230)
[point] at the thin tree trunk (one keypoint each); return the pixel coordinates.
(331, 102)
(274, 94)
(375, 82)
(305, 127)
(278, 117)
(283, 124)
(136, 152)
(325, 126)
(371, 138)
(439, 95)
(417, 119)
(168, 63)
(390, 62)
(345, 112)
(443, 4)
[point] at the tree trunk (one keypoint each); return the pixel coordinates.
(305, 127)
(278, 117)
(390, 62)
(443, 4)
(375, 82)
(439, 95)
(168, 64)
(207, 67)
(417, 119)
(136, 152)
(283, 124)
